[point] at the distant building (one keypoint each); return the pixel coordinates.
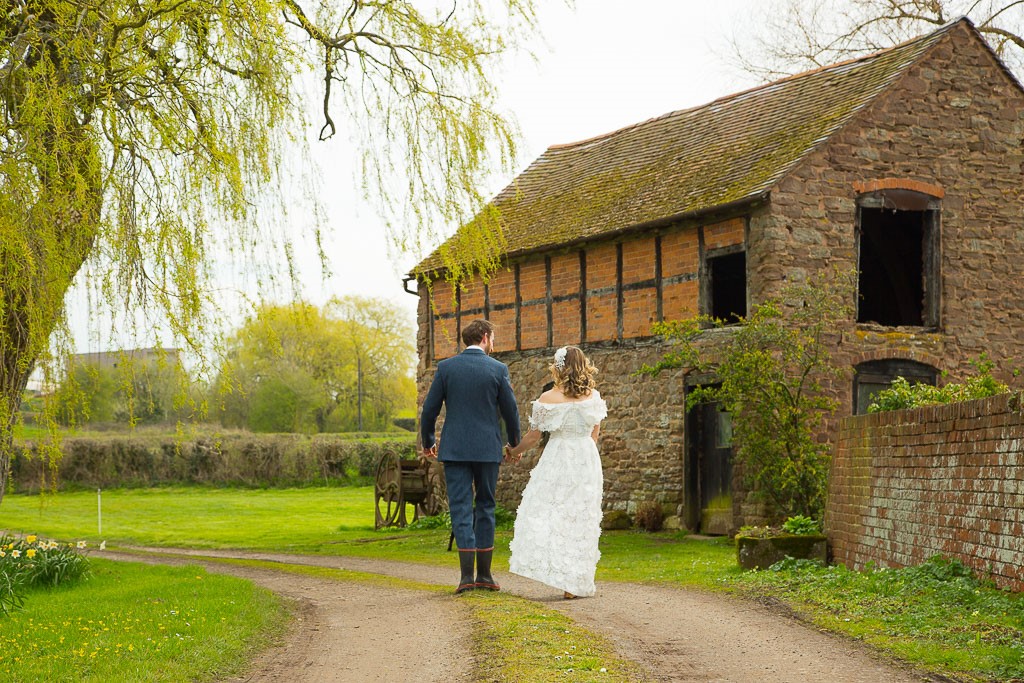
(115, 359)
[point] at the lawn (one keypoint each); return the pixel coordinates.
(130, 621)
(936, 618)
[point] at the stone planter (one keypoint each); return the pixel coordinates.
(761, 553)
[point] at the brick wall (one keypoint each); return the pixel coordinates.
(948, 480)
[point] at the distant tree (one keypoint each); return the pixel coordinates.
(771, 374)
(297, 368)
(378, 335)
(135, 134)
(134, 392)
(788, 36)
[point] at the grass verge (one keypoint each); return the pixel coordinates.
(137, 622)
(973, 636)
(936, 615)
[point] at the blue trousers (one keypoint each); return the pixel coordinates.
(471, 487)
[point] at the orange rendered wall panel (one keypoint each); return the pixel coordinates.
(680, 253)
(638, 260)
(639, 311)
(565, 323)
(679, 301)
(725, 234)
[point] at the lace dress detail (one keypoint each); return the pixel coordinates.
(558, 524)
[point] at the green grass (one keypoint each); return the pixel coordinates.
(936, 614)
(282, 519)
(522, 641)
(137, 622)
(948, 632)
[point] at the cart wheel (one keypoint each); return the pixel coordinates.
(387, 491)
(436, 501)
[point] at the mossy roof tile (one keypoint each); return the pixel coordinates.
(686, 162)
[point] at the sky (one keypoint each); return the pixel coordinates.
(603, 65)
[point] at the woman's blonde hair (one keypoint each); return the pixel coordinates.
(573, 372)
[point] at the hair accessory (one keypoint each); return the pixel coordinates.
(560, 358)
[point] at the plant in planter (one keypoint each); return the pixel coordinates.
(799, 537)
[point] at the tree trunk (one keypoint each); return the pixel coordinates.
(13, 383)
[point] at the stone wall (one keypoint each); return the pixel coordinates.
(949, 480)
(953, 123)
(641, 441)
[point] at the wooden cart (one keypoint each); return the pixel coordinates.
(400, 482)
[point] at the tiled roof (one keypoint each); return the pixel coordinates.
(686, 162)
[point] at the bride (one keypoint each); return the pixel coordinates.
(559, 520)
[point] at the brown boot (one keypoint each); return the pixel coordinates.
(483, 570)
(466, 582)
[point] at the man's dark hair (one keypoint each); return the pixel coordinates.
(474, 332)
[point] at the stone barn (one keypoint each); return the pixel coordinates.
(905, 164)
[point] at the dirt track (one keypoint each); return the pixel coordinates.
(344, 631)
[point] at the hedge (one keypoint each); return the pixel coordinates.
(243, 459)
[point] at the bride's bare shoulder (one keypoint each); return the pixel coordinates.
(552, 396)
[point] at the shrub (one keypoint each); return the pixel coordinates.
(32, 562)
(771, 374)
(616, 519)
(230, 459)
(442, 520)
(800, 525)
(649, 515)
(902, 394)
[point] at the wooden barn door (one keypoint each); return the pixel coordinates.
(709, 469)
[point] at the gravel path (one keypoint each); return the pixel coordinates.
(345, 630)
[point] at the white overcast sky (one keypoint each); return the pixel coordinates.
(606, 64)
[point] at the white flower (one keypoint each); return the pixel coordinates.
(80, 545)
(15, 554)
(560, 358)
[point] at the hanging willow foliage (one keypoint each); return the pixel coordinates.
(137, 132)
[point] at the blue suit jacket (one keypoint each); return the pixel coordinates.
(475, 390)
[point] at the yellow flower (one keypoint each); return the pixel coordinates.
(30, 553)
(30, 539)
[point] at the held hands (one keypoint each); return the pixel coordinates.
(511, 456)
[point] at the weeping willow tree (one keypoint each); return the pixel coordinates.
(136, 133)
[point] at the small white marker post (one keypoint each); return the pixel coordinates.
(99, 513)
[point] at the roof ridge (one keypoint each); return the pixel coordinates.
(785, 79)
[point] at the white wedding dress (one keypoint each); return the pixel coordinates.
(558, 524)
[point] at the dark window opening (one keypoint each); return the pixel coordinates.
(891, 267)
(898, 259)
(728, 296)
(874, 376)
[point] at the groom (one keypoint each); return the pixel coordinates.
(475, 390)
